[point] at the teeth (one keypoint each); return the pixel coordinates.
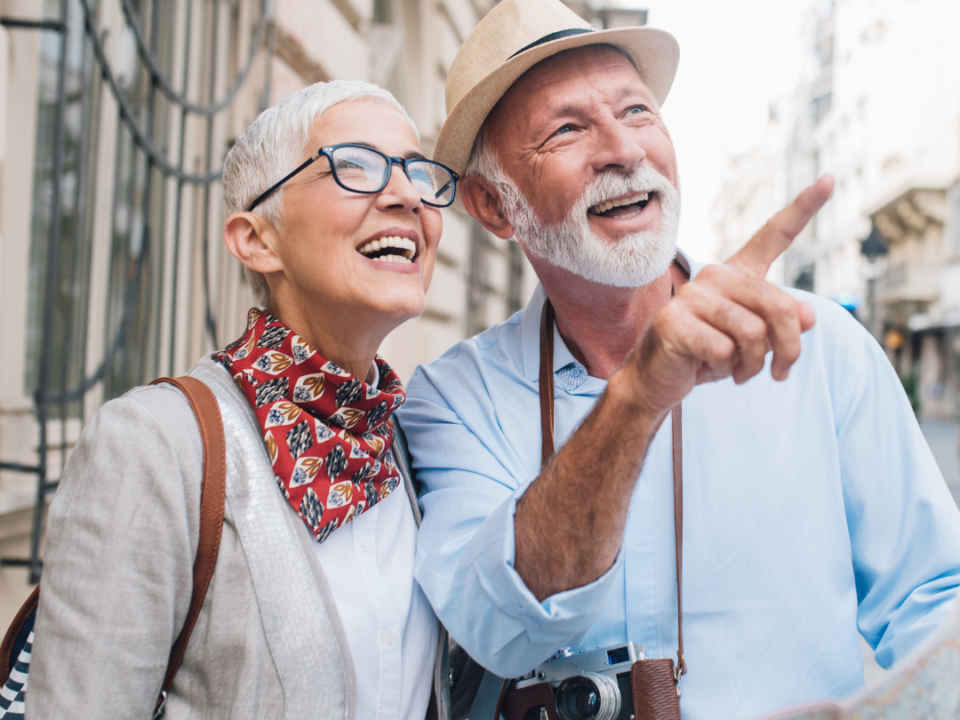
(394, 259)
(610, 204)
(405, 245)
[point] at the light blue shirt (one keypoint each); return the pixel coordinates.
(813, 508)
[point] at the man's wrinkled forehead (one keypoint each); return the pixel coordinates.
(555, 69)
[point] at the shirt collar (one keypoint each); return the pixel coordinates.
(375, 372)
(530, 328)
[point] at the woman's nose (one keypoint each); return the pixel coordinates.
(399, 192)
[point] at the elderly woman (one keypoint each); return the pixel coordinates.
(312, 610)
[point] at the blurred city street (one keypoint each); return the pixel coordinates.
(944, 439)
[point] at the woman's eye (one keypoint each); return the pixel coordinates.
(636, 110)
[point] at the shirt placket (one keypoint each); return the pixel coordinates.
(389, 638)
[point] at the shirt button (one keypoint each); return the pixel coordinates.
(365, 545)
(390, 637)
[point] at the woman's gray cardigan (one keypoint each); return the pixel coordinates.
(118, 574)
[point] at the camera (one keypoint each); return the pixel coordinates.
(586, 685)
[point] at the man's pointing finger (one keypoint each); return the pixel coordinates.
(773, 238)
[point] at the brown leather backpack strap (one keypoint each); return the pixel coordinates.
(6, 649)
(212, 497)
(546, 383)
(677, 414)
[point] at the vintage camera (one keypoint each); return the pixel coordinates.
(587, 685)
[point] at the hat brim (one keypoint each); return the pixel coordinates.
(655, 54)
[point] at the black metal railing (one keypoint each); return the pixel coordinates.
(147, 169)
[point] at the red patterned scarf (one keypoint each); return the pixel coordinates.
(326, 431)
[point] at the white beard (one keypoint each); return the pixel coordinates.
(634, 260)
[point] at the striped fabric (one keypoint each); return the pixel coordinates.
(15, 689)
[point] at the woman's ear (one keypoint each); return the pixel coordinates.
(482, 200)
(251, 239)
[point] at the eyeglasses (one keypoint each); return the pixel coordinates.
(362, 169)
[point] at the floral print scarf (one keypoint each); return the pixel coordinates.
(326, 432)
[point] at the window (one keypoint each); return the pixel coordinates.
(492, 295)
(60, 214)
(951, 231)
(805, 279)
(163, 199)
(383, 12)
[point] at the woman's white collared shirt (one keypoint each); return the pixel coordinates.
(390, 626)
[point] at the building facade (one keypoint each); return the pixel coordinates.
(878, 106)
(115, 118)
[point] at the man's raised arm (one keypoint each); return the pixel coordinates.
(569, 524)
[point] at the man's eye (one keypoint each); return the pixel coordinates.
(637, 109)
(565, 129)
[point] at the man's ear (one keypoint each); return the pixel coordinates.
(251, 239)
(482, 200)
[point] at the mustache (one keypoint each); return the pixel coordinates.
(611, 184)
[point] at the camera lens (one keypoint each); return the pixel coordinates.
(589, 696)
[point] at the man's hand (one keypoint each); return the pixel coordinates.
(723, 323)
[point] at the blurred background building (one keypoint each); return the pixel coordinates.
(115, 118)
(877, 105)
(880, 108)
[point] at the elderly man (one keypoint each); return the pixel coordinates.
(812, 510)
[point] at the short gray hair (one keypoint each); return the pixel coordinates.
(484, 163)
(275, 144)
(483, 159)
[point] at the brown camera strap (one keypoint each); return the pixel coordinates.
(548, 448)
(547, 320)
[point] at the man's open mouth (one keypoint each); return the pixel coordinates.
(624, 207)
(390, 249)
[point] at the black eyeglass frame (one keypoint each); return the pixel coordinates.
(327, 152)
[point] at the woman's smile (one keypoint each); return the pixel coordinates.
(394, 249)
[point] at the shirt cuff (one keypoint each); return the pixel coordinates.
(560, 617)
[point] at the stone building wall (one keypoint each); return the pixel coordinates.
(404, 45)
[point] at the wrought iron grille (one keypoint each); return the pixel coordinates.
(164, 184)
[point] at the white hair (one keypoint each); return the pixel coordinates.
(633, 261)
(276, 143)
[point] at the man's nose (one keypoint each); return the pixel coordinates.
(618, 148)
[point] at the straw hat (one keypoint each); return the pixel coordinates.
(515, 36)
